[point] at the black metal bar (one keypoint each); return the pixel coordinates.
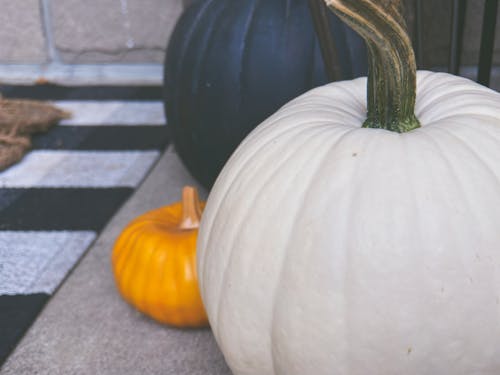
(319, 12)
(419, 49)
(457, 32)
(487, 42)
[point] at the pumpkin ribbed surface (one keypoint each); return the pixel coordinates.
(230, 64)
(327, 248)
(154, 263)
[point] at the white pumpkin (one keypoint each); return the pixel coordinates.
(328, 248)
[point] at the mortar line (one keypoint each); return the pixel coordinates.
(47, 28)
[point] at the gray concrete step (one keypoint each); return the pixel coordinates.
(87, 328)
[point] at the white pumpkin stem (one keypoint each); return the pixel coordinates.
(392, 66)
(191, 208)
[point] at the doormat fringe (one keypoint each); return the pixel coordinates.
(19, 119)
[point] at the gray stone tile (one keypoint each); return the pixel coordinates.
(21, 32)
(113, 30)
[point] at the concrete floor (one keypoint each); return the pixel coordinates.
(86, 328)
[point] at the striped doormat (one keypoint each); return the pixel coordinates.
(54, 203)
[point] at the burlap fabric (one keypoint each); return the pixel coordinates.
(19, 119)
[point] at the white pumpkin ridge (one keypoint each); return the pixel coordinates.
(349, 249)
(279, 286)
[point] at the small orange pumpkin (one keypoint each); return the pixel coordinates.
(154, 263)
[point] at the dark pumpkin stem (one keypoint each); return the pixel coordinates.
(392, 67)
(320, 12)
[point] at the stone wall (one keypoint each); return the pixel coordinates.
(77, 33)
(22, 37)
(86, 31)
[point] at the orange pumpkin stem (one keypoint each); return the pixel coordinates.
(191, 208)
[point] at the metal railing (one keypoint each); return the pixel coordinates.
(459, 8)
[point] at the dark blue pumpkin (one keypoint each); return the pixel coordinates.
(232, 63)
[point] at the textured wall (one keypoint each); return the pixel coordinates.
(21, 32)
(113, 30)
(137, 31)
(90, 31)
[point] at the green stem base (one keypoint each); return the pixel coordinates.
(391, 91)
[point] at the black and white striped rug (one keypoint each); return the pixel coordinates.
(54, 203)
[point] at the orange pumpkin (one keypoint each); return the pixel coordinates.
(154, 263)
